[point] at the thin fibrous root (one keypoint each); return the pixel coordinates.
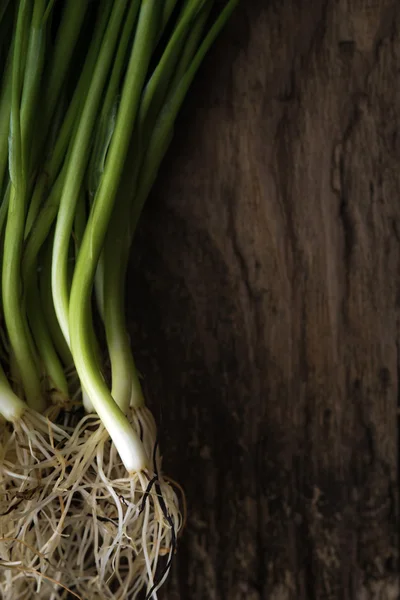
(81, 518)
(30, 460)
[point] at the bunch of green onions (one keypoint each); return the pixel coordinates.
(89, 94)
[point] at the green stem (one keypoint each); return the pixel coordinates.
(46, 296)
(126, 389)
(80, 220)
(4, 207)
(15, 375)
(123, 369)
(124, 437)
(156, 88)
(109, 107)
(105, 131)
(168, 9)
(117, 252)
(191, 44)
(35, 203)
(99, 286)
(163, 130)
(44, 342)
(5, 102)
(3, 216)
(14, 311)
(41, 230)
(183, 47)
(32, 77)
(67, 35)
(61, 150)
(76, 169)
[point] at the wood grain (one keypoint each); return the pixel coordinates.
(264, 297)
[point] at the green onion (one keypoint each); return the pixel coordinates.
(20, 128)
(89, 96)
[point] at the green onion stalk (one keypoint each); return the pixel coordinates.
(30, 371)
(89, 98)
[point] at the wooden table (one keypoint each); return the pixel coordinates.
(264, 298)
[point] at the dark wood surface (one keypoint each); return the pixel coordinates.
(264, 297)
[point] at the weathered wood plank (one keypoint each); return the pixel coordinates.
(265, 305)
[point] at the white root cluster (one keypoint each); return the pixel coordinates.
(71, 515)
